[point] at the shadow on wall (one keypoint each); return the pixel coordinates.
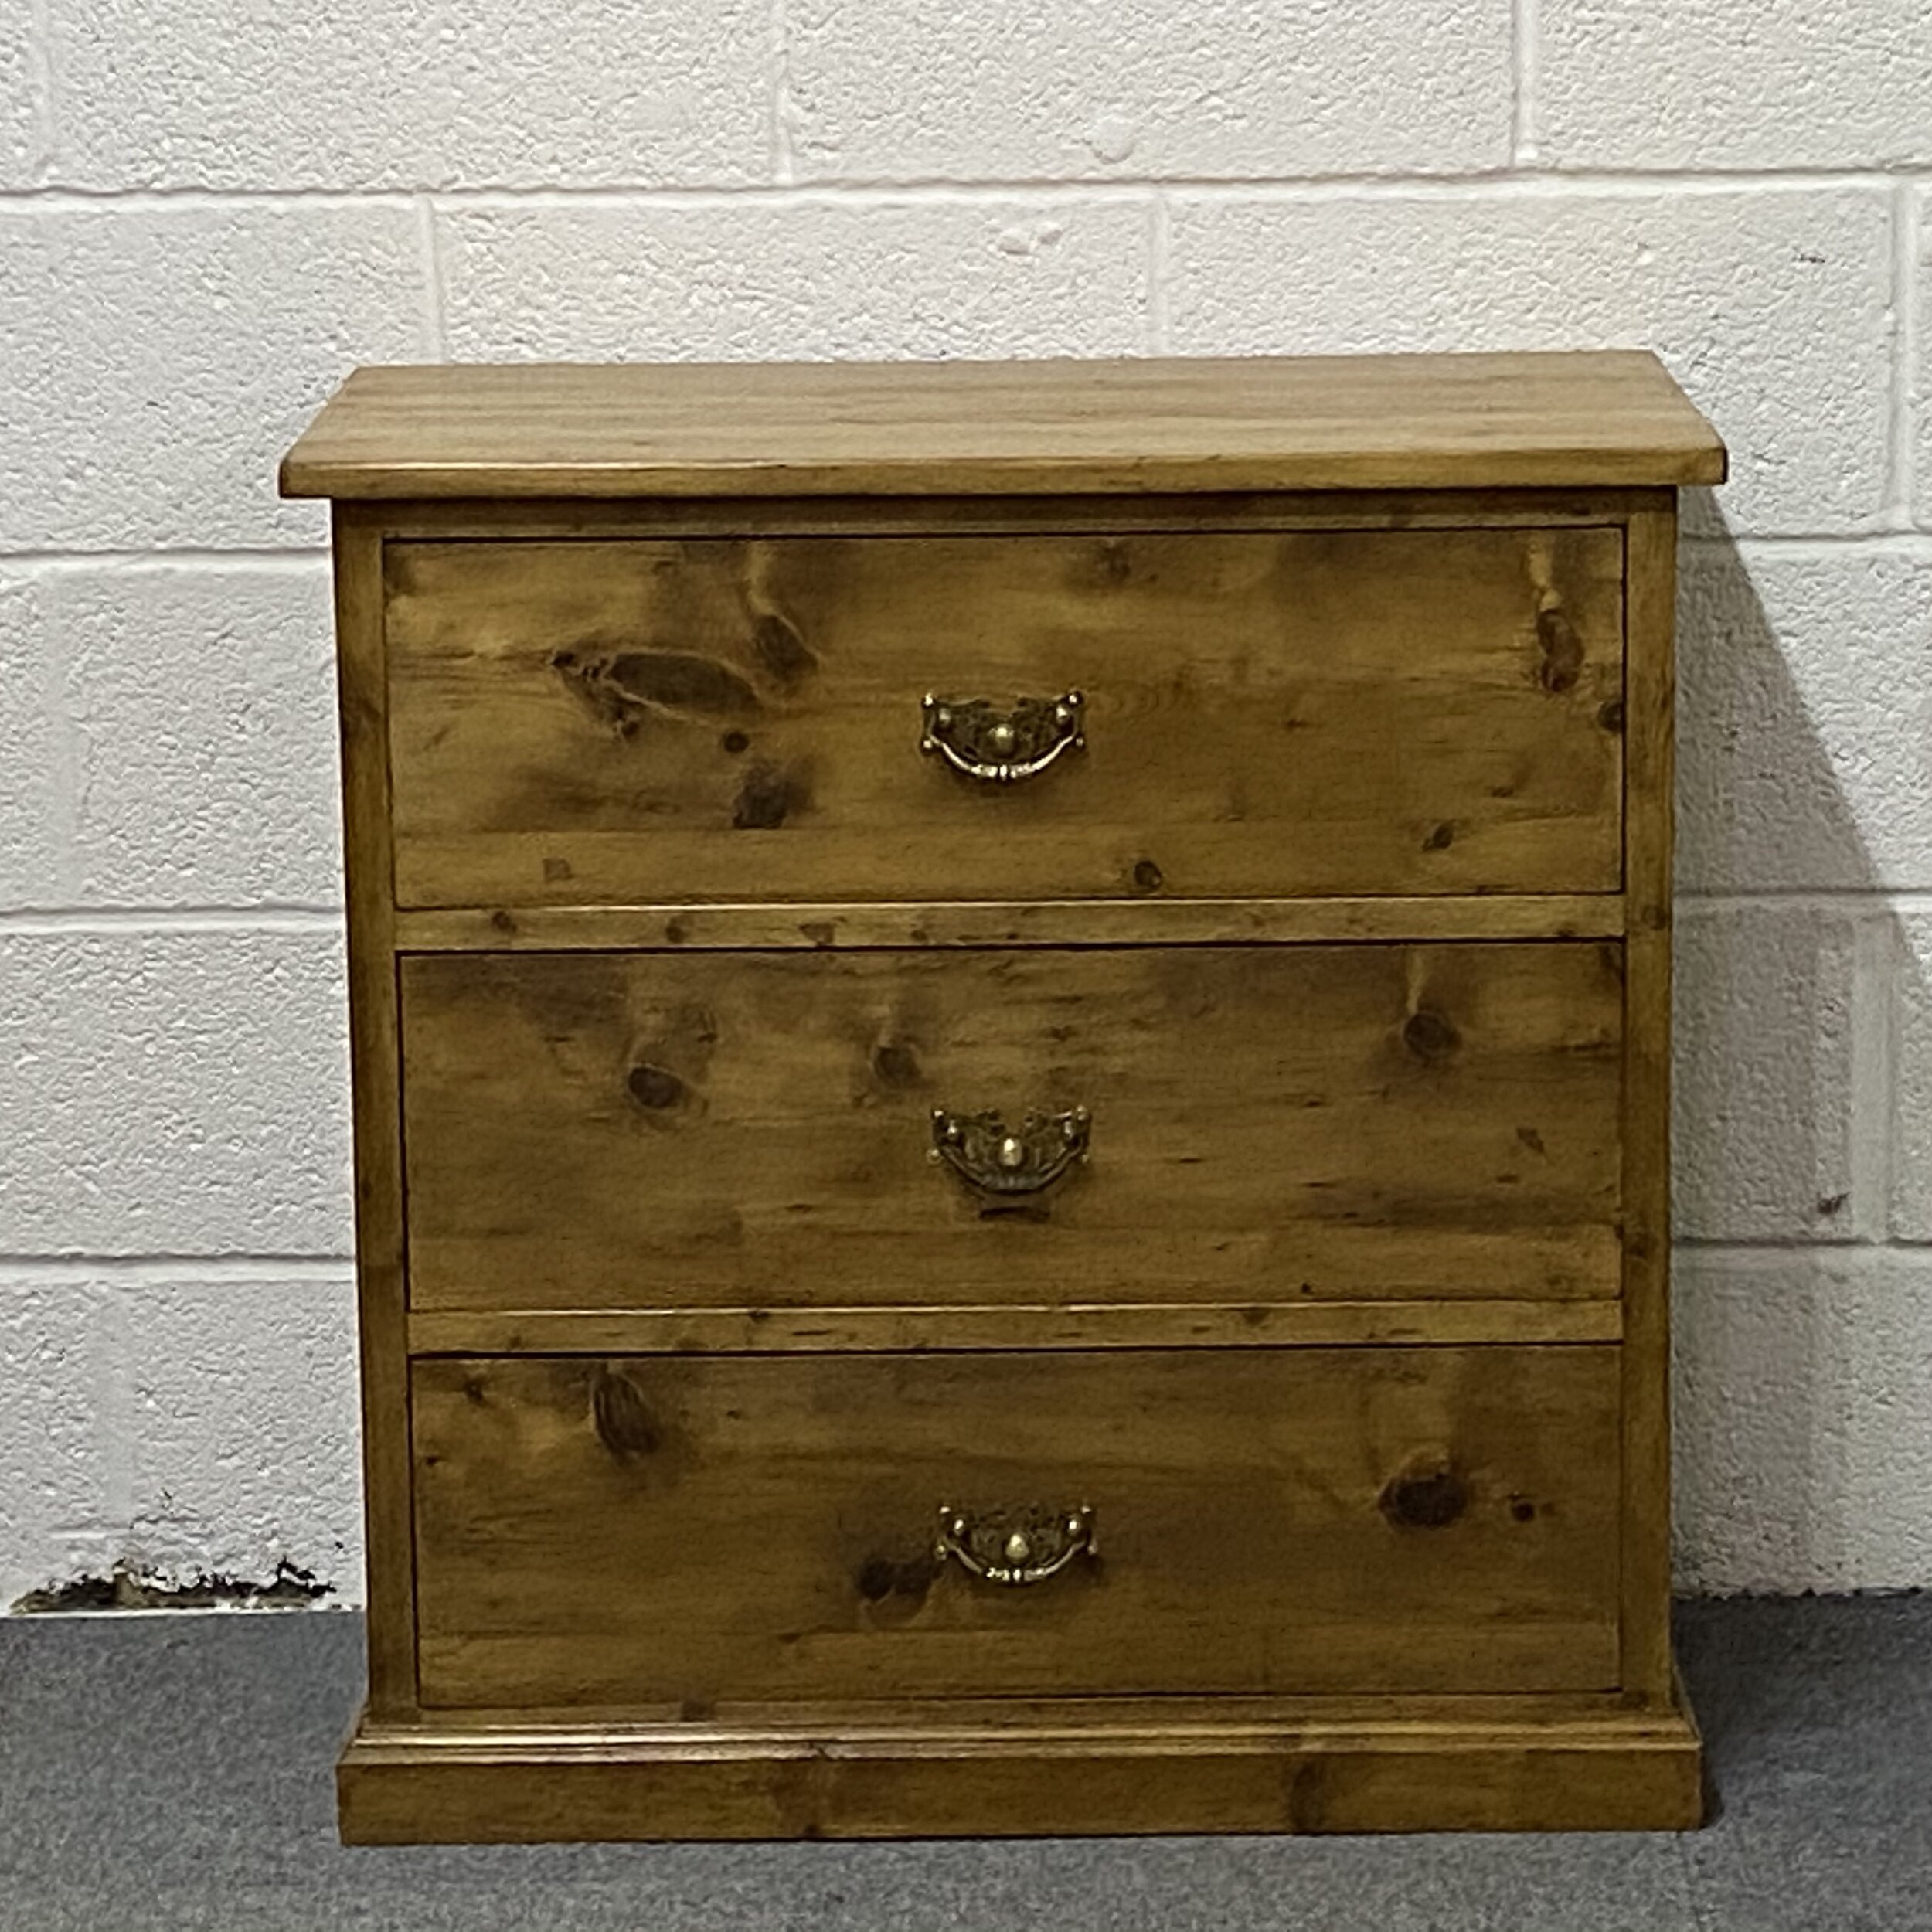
(1804, 1329)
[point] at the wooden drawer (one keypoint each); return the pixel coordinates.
(669, 1130)
(1391, 712)
(682, 1531)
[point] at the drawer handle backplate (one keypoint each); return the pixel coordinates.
(1025, 1546)
(998, 1159)
(997, 747)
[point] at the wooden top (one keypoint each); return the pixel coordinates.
(1338, 423)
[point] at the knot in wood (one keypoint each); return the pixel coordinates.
(1425, 1496)
(1430, 1035)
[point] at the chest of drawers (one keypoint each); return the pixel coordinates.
(1011, 1046)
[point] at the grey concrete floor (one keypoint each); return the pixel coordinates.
(159, 1770)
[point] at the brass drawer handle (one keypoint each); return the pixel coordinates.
(1027, 1548)
(999, 747)
(1022, 1160)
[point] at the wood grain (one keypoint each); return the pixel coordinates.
(1269, 1124)
(686, 1530)
(1078, 922)
(1420, 712)
(1176, 1325)
(1132, 426)
(495, 519)
(750, 1722)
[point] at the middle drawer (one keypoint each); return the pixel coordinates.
(1033, 1126)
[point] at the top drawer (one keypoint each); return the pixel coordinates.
(635, 721)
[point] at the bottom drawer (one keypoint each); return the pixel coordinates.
(682, 1531)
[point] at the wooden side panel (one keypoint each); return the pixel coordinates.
(1380, 712)
(1647, 1226)
(363, 691)
(1266, 1123)
(675, 1531)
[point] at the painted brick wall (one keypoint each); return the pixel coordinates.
(210, 209)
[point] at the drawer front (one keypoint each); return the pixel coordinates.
(635, 722)
(681, 1531)
(667, 1130)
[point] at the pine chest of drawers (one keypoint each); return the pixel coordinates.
(1011, 1043)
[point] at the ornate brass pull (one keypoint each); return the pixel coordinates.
(1026, 1548)
(1000, 746)
(999, 1160)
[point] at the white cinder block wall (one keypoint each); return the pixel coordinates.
(210, 209)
